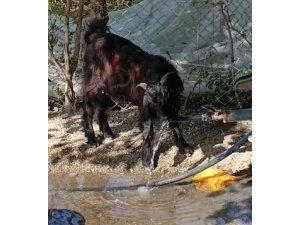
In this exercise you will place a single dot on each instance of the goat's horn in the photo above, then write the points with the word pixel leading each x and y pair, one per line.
pixel 142 85
pixel 165 77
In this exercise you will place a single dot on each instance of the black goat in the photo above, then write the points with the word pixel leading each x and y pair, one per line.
pixel 115 67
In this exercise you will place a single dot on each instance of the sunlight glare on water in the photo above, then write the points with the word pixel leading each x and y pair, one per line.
pixel 176 204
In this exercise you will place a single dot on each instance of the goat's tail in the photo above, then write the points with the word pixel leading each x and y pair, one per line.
pixel 96 26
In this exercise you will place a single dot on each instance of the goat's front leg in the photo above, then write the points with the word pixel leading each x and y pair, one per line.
pixel 147 151
pixel 156 142
pixel 184 147
pixel 140 124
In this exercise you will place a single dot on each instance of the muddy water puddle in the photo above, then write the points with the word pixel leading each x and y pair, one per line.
pixel 92 198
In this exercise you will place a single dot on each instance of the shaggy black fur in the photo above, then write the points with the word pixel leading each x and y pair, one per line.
pixel 113 67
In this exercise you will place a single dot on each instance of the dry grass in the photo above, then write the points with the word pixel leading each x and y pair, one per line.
pixel 69 153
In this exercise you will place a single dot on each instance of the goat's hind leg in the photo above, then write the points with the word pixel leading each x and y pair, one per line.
pixel 88 116
pixel 103 124
pixel 184 147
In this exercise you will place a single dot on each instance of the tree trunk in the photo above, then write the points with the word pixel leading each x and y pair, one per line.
pixel 71 63
pixel 77 37
pixel 99 9
pixel 69 92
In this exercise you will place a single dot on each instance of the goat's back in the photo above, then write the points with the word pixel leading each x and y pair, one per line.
pixel 116 65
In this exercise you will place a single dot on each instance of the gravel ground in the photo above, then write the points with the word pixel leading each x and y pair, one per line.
pixel 69 153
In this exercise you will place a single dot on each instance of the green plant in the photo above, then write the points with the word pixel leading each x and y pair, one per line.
pixel 218 84
pixel 244 72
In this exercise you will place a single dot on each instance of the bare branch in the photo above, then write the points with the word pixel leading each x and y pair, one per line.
pixel 75 57
pixel 227 22
pixel 67 36
pixel 242 35
pixel 55 61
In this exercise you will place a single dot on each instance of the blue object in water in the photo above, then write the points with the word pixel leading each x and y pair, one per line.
pixel 64 217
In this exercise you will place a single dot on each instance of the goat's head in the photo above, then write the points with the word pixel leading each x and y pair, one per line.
pixel 96 26
pixel 158 93
pixel 99 22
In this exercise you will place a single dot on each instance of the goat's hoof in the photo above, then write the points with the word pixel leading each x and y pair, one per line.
pixel 148 170
pixel 137 130
pixel 187 151
pixel 92 142
pixel 109 136
pixel 147 165
pixel 151 168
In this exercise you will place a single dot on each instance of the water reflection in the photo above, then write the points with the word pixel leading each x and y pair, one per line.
pixel 182 205
pixel 177 204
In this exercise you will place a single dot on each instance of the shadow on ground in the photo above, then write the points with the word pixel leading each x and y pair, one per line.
pixel 67 144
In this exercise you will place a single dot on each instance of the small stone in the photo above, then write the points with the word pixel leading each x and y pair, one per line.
pixel 73 174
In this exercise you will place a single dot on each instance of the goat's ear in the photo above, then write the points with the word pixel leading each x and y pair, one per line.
pixel 164 78
pixel 142 85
